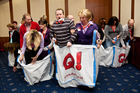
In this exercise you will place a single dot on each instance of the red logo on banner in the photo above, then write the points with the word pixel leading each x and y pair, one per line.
pixel 69 64
pixel 121 58
pixel 78 66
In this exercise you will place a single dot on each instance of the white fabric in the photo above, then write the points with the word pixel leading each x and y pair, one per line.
pixel 71 76
pixel 42 70
pixel 106 56
pixel 11 59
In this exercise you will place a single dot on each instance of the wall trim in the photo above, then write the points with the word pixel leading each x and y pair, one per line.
pixel 28 7
pixel 47 9
pixel 11 10
pixel 119 10
pixel 132 8
pixel 66 8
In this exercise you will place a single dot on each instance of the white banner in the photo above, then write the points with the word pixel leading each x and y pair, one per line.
pixel 113 56
pixel 40 71
pixel 76 65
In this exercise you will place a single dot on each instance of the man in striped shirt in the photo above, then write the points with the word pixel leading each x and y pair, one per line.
pixel 63 30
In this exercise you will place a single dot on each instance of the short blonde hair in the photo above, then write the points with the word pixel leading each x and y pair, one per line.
pixel 86 13
pixel 33 37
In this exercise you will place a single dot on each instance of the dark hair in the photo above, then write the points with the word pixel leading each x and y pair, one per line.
pixel 43 21
pixel 14 22
pixel 102 21
pixel 111 21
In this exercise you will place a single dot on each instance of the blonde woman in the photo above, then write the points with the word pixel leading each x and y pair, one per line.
pixel 86 28
pixel 33 44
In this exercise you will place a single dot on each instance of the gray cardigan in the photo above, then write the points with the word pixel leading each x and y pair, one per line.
pixel 110 34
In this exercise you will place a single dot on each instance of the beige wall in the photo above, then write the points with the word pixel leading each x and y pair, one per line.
pixel 115 8
pixel 125 11
pixel 74 7
pixel 37 9
pixel 4 18
pixel 19 8
pixel 137 18
pixel 53 5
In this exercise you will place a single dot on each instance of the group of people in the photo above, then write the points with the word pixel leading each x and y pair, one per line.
pixel 35 37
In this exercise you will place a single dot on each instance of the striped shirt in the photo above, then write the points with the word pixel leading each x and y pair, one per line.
pixel 62 32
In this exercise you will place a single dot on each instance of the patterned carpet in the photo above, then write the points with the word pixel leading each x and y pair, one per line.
pixel 125 79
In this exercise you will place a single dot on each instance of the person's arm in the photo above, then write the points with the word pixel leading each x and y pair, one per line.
pixel 121 31
pixel 21 36
pixel 41 45
pixel 106 32
pixel 72 31
pixel 23 48
pixel 37 27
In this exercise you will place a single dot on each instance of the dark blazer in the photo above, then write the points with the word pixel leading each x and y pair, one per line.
pixel 15 37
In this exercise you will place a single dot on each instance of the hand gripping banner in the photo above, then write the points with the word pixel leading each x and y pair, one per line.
pixel 76 65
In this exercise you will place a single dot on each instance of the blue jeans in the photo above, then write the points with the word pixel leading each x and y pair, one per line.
pixel 109 43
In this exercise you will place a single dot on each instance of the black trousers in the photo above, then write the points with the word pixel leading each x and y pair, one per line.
pixel 16 55
pixel 29 54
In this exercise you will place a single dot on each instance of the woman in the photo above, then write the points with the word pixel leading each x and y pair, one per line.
pixel 33 44
pixel 45 30
pixel 86 28
pixel 101 27
pixel 113 31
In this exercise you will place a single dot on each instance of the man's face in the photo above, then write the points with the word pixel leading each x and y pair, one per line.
pixel 15 25
pixel 28 19
pixel 59 14
pixel 131 24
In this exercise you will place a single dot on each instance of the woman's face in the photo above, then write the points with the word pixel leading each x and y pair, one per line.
pixel 41 26
pixel 115 22
pixel 84 20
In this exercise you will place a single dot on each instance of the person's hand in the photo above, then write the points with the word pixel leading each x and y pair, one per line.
pixel 14 68
pixel 69 44
pixel 113 42
pixel 53 39
pixel 124 47
pixel 118 36
pixel 98 45
pixel 131 38
pixel 72 31
pixel 34 59
pixel 21 57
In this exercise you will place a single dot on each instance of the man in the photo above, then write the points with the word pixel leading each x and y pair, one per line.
pixel 128 32
pixel 27 26
pixel 127 37
pixel 63 30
